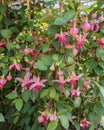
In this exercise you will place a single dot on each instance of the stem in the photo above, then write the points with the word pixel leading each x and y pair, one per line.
pixel 2 2
pixel 28 7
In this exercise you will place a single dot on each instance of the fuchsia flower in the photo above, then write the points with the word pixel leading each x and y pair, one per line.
pixel 85 123
pixel 74 92
pixel 62 82
pixel 37 83
pixel 94 27
pixel 67 46
pixel 3 44
pixel 16 67
pixel 86 26
pixel 53 117
pixel 59 73
pixel 9 77
pixel 26 82
pixel 74 30
pixel 80 40
pixel 2 83
pixel 101 19
pixel 27 51
pixel 86 84
pixel 74 78
pixel 101 42
pixel 94 15
pixel 75 51
pixel 43 118
pixel 62 39
pixel 52 68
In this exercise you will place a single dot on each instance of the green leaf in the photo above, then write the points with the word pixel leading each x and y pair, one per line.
pixel 70 60
pixel 1 16
pixel 100 53
pixel 53 29
pixel 99 109
pixel 52 125
pixel 6 33
pixel 14 29
pixel 45 47
pixel 26 95
pixel 12 95
pixel 1 118
pixel 30 38
pixel 40 65
pixel 77 102
pixel 55 57
pixel 102 30
pixel 3 8
pixel 77 126
pixel 53 93
pixel 64 121
pixel 69 15
pixel 10 46
pixel 91 64
pixel 44 93
pixel 18 104
pixel 47 60
pixel 60 21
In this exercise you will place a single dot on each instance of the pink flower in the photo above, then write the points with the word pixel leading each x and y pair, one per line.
pixel 2 83
pixel 94 27
pixel 101 19
pixel 74 30
pixel 94 15
pixel 37 84
pixel 3 44
pixel 53 117
pixel 27 51
pixel 43 118
pixel 74 92
pixel 67 46
pixel 85 123
pixel 85 85
pixel 74 78
pixel 52 68
pixel 86 26
pixel 16 67
pixel 26 82
pixel 60 73
pixel 61 37
pixel 80 40
pixel 75 51
pixel 40 119
pixel 101 42
pixel 62 82
pixel 9 77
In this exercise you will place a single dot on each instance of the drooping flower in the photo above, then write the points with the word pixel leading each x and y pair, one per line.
pixel 3 44
pixel 75 51
pixel 101 19
pixel 80 40
pixel 2 83
pixel 27 51
pixel 37 84
pixel 59 73
pixel 101 42
pixel 86 26
pixel 16 67
pixel 94 27
pixel 74 92
pixel 43 118
pixel 85 123
pixel 26 82
pixel 67 46
pixel 74 78
pixel 53 117
pixel 94 15
pixel 74 30
pixel 9 77
pixel 62 82
pixel 52 68
pixel 86 84
pixel 61 37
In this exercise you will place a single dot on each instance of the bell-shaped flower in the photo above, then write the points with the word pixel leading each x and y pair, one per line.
pixel 86 26
pixel 74 30
pixel 26 82
pixel 2 83
pixel 101 42
pixel 16 67
pixel 84 123
pixel 61 37
pixel 37 84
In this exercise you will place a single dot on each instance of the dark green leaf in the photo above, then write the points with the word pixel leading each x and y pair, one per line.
pixel 11 95
pixel 64 121
pixel 52 125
